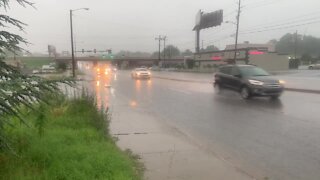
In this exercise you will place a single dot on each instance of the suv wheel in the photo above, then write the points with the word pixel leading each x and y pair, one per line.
pixel 245 93
pixel 217 88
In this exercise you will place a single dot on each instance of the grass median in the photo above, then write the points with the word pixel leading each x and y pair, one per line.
pixel 69 140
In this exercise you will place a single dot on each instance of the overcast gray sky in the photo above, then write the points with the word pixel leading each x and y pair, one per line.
pixel 134 24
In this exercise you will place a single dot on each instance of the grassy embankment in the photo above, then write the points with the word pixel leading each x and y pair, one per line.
pixel 69 140
pixel 33 62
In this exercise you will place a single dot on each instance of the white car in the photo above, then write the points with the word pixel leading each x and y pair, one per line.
pixel 47 69
pixel 141 73
pixel 314 66
pixel 35 72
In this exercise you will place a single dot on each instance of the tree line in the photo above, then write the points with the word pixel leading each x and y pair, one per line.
pixel 306 48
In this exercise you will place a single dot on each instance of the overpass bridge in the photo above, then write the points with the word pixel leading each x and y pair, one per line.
pixel 126 62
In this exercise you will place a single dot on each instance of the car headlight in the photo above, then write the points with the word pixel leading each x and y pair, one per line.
pixel 149 73
pixel 282 82
pixel 255 82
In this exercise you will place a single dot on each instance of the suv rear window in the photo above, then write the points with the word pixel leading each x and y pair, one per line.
pixel 226 70
pixel 253 71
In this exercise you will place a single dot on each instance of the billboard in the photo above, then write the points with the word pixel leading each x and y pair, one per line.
pixel 198 18
pixel 208 20
pixel 52 50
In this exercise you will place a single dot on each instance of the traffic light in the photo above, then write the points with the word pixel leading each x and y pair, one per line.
pixel 82 51
pixel 94 50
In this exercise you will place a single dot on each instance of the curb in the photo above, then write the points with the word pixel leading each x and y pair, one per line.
pixel 303 90
pixel 311 91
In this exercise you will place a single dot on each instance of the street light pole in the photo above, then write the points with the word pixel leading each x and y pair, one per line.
pixel 72 48
pixel 237 33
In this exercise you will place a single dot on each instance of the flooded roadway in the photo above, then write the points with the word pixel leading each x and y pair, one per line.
pixel 274 139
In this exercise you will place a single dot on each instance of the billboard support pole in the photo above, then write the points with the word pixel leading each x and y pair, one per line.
pixel 197 40
pixel 204 21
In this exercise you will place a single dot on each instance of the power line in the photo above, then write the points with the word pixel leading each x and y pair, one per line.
pixel 256 5
pixel 284 20
pixel 286 27
pixel 282 24
pixel 255 2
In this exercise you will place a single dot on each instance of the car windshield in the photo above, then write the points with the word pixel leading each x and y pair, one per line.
pixel 141 69
pixel 253 71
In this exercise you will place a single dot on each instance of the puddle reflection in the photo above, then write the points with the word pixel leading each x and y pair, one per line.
pixel 102 76
pixel 230 98
pixel 138 85
pixel 133 103
pixel 143 84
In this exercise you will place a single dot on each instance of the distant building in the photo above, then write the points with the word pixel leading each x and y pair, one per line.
pixel 262 55
pixel 269 47
pixel 65 53
pixel 52 51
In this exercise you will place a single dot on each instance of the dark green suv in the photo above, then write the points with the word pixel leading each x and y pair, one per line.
pixel 248 80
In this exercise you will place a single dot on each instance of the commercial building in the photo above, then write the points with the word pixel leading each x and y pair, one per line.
pixel 262 55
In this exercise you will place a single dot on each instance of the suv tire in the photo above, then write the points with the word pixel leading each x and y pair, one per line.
pixel 275 97
pixel 245 93
pixel 217 88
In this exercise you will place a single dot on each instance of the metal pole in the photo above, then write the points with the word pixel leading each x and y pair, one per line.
pixel 72 49
pixel 164 47
pixel 295 45
pixel 237 33
pixel 159 58
pixel 197 40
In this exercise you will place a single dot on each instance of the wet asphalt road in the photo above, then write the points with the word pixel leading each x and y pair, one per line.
pixel 274 139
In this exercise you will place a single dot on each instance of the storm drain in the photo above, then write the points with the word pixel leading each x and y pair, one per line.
pixel 127 134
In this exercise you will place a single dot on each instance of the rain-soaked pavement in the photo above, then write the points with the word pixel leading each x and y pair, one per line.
pixel 262 138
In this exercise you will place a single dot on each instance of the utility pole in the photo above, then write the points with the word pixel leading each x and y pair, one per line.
pixel 237 33
pixel 164 47
pixel 295 44
pixel 159 39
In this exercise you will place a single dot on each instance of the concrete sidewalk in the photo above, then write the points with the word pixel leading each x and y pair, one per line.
pixel 166 152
